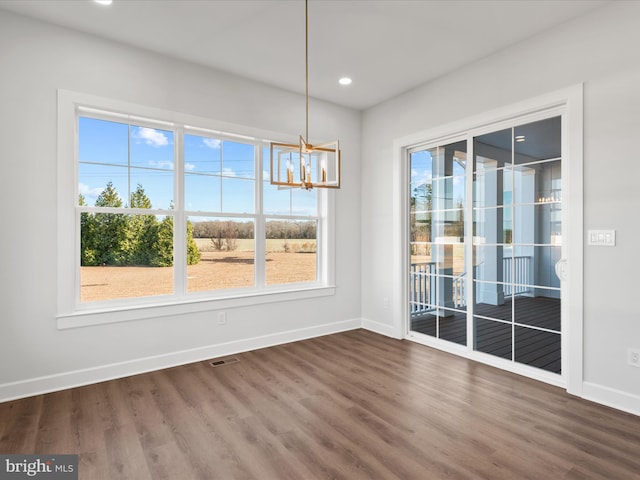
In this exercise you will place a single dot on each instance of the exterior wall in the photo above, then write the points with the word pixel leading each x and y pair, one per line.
pixel 597 50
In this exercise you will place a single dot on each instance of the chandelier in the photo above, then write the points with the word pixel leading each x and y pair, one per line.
pixel 305 165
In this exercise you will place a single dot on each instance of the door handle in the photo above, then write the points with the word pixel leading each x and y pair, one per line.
pixel 561 269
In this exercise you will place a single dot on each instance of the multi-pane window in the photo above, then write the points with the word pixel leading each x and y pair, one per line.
pixel 125 197
pixel 220 180
pixel 290 228
pixel 166 210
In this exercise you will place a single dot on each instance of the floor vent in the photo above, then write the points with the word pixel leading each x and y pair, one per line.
pixel 226 361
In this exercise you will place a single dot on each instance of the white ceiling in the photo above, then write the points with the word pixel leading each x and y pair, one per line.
pixel 386 46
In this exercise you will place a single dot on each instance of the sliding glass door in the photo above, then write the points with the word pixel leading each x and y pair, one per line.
pixel 504 298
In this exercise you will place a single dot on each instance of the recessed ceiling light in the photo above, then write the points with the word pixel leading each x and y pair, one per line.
pixel 104 2
pixel 345 81
pixel 519 138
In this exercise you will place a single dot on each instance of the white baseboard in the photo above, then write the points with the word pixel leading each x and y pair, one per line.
pixel 381 328
pixel 77 378
pixel 611 397
pixel 26 388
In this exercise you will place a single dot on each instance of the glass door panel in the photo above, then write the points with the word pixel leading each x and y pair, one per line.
pixel 437 275
pixel 517 242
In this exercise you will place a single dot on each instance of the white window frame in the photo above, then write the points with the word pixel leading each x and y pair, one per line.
pixel 72 313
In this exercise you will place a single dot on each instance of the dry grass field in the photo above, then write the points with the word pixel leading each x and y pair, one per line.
pixel 216 271
pixel 453 257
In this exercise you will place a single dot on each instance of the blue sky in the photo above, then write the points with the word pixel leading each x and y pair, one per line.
pixel 422 174
pixel 128 155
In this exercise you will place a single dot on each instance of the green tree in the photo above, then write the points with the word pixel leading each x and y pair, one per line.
pixel 111 229
pixel 141 230
pixel 421 205
pixel 121 239
pixel 193 252
pixel 161 253
pixel 87 236
pixel 139 199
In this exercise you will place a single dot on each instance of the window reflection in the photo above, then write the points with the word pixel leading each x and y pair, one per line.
pixel 517 237
pixel 438 282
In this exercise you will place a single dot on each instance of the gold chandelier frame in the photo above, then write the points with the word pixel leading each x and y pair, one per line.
pixel 318 166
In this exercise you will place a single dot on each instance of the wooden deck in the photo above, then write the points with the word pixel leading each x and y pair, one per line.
pixel 532 347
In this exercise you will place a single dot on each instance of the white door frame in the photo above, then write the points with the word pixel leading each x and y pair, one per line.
pixel 569 104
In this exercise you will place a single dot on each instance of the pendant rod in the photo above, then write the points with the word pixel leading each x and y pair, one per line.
pixel 306 62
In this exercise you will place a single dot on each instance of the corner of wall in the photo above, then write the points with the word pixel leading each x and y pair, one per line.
pixel 381 328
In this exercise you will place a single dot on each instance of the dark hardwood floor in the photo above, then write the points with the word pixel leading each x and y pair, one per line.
pixel 533 347
pixel 354 405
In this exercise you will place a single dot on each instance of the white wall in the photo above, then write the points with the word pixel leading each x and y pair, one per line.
pixel 35 60
pixel 600 50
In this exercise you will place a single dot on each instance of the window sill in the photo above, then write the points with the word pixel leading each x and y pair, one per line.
pixel 88 318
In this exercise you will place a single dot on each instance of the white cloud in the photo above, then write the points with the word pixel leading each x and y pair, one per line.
pixel 420 175
pixel 228 171
pixel 168 164
pixel 88 192
pixel 91 192
pixel 151 136
pixel 211 143
pixel 189 167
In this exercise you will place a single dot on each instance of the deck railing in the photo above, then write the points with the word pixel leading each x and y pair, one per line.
pixel 516 274
pixel 422 286
pixel 460 290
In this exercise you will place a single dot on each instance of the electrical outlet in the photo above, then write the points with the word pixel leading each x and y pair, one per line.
pixel 634 357
pixel 222 318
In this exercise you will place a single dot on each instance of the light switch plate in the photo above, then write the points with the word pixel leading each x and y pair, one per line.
pixel 601 238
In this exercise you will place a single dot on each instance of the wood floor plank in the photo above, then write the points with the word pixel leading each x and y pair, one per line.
pixel 163 457
pixel 87 432
pixel 316 429
pixel 200 447
pixel 350 406
pixel 18 422
pixel 385 408
pixel 54 432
